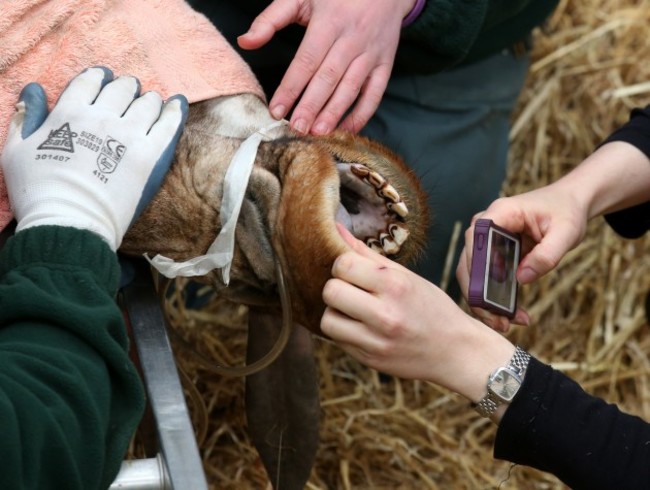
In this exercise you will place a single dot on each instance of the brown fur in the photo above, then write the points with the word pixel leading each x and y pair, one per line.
pixel 290 206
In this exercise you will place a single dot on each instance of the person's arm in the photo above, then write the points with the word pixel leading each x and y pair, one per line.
pixel 555 426
pixel 634 221
pixel 70 398
pixel 392 320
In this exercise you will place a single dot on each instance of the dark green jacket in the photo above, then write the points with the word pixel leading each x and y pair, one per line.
pixel 452 32
pixel 70 398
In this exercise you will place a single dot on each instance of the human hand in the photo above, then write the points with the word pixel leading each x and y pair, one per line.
pixel 551 222
pixel 346 55
pixel 392 320
pixel 96 160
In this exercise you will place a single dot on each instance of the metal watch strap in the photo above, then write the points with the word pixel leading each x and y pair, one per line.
pixel 519 361
pixel 490 402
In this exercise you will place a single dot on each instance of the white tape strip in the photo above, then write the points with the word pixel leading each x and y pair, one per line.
pixel 220 253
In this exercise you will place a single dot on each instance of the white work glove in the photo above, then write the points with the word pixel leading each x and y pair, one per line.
pixel 96 160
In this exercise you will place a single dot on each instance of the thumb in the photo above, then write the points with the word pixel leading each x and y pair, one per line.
pixel 544 256
pixel 31 111
pixel 278 15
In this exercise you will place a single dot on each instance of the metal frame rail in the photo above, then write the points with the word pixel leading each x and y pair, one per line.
pixel 178 466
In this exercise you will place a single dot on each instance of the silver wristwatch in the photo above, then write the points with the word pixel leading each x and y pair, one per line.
pixel 504 383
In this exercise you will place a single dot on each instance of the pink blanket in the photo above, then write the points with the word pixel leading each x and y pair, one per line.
pixel 167 45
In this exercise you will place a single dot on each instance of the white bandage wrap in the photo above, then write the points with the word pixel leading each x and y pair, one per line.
pixel 220 254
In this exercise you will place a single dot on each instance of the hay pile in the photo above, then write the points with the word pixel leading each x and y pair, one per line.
pixel 589 69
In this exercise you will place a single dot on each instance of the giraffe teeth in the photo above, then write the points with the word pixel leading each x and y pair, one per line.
pixel 398 208
pixel 399 233
pixel 359 170
pixel 375 245
pixel 388 244
pixel 389 192
pixel 376 180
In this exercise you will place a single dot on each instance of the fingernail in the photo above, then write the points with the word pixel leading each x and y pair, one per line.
pixel 523 319
pixel 321 128
pixel 278 111
pixel 300 125
pixel 526 275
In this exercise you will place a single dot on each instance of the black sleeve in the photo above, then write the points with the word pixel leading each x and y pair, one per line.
pixel 635 221
pixel 555 426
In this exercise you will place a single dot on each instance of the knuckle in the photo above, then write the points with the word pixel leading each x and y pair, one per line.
pixel 352 85
pixel 330 291
pixel 343 263
pixel 329 75
pixel 306 62
pixel 391 323
pixel 546 260
pixel 394 327
pixel 289 91
pixel 398 287
pixel 381 350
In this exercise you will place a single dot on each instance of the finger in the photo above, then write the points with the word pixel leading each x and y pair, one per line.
pixel 169 126
pixel 86 86
pixel 308 58
pixel 31 111
pixel 371 94
pixel 326 82
pixel 462 273
pixel 544 257
pixel 144 112
pixel 351 301
pixel 358 270
pixel 344 95
pixel 521 317
pixel 362 249
pixel 118 95
pixel 275 17
pixel 171 121
pixel 467 254
pixel 342 328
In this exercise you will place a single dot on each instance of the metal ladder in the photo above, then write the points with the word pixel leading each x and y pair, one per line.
pixel 177 466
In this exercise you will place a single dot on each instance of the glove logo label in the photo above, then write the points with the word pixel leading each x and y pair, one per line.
pixel 111 154
pixel 59 139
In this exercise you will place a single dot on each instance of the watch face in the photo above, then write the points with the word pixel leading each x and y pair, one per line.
pixel 505 384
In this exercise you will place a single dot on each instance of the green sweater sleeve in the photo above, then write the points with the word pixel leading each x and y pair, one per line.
pixel 452 32
pixel 70 397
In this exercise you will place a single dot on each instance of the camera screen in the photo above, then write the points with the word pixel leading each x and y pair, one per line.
pixel 500 281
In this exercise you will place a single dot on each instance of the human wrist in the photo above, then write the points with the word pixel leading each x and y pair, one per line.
pixel 474 352
pixel 414 13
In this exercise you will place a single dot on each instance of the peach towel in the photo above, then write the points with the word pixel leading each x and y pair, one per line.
pixel 167 45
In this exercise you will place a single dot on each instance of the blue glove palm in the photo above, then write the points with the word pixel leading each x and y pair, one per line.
pixel 96 160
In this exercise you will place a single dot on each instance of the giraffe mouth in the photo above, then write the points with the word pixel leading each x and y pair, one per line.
pixel 371 208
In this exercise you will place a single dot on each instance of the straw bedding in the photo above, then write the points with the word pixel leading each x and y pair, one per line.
pixel 589 68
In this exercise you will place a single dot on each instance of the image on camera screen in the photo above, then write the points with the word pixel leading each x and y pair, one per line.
pixel 500 281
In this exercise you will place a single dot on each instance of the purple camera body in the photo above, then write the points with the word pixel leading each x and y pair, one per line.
pixel 493 282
